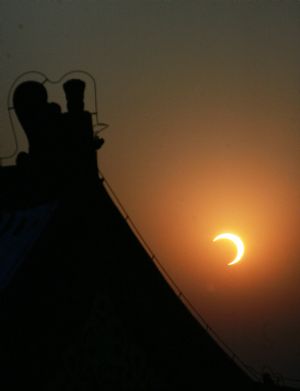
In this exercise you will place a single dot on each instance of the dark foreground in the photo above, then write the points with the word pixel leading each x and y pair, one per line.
pixel 85 308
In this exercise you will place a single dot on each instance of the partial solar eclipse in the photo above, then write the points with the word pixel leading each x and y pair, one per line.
pixel 240 248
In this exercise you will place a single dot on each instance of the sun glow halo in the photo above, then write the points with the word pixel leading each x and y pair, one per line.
pixel 238 243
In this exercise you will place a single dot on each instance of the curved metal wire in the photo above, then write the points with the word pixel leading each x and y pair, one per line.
pixel 249 370
pixel 44 79
pixel 253 373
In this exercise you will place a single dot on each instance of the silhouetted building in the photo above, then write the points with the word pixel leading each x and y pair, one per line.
pixel 82 305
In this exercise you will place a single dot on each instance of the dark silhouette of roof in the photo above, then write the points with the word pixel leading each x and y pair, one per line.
pixel 88 309
pixel 82 304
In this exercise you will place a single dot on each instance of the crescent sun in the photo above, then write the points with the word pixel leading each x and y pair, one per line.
pixel 240 248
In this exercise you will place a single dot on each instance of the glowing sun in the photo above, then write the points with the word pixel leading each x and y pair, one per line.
pixel 240 248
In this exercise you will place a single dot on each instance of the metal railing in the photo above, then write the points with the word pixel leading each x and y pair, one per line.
pixel 252 373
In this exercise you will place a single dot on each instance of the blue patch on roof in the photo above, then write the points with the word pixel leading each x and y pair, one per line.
pixel 19 230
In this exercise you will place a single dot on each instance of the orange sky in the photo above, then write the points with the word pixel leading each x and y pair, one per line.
pixel 203 104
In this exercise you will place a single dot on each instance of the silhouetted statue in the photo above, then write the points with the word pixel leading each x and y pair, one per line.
pixel 62 147
pixel 39 120
pixel 74 91
pixel 79 128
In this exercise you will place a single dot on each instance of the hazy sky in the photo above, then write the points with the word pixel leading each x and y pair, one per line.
pixel 203 102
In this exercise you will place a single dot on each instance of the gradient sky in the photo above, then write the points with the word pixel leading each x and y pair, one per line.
pixel 203 102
